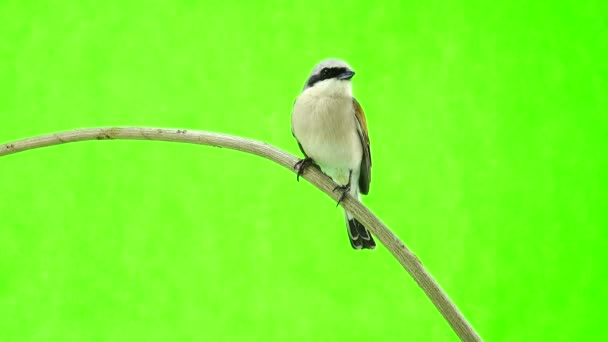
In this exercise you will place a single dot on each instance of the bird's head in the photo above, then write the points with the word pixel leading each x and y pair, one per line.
pixel 331 77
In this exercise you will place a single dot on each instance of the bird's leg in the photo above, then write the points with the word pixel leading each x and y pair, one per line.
pixel 344 188
pixel 301 165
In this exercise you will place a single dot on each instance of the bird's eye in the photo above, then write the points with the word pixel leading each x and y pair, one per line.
pixel 324 71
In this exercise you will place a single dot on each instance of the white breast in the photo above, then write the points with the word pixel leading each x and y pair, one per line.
pixel 325 126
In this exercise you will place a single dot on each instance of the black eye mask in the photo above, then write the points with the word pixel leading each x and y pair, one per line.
pixel 325 74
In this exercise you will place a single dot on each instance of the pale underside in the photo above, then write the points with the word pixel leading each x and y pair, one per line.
pixel 324 124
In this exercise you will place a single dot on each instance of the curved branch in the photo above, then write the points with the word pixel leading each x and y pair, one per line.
pixel 405 257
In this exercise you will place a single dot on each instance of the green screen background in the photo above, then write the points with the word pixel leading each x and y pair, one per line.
pixel 488 125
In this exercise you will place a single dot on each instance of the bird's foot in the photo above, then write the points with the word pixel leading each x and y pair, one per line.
pixel 301 165
pixel 345 189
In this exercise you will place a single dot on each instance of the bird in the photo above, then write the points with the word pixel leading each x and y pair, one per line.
pixel 330 128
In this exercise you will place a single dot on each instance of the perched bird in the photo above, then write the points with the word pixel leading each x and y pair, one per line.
pixel 330 128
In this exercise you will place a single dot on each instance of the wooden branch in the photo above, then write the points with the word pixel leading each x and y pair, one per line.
pixel 405 257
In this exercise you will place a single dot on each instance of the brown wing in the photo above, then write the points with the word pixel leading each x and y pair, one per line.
pixel 366 163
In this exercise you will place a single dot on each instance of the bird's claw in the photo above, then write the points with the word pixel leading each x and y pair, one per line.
pixel 301 165
pixel 345 189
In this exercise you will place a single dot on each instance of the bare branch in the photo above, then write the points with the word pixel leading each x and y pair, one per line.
pixel 405 257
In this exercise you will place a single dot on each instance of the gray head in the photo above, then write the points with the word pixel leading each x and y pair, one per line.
pixel 330 69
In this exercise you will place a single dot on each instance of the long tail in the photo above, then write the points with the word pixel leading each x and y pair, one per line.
pixel 360 238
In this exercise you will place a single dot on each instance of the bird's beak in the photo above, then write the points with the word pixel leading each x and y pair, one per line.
pixel 347 75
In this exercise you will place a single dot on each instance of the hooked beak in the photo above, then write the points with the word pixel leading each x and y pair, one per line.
pixel 347 75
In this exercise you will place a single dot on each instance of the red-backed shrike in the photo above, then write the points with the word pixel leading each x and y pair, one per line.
pixel 329 125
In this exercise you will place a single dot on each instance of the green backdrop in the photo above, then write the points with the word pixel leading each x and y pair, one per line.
pixel 488 126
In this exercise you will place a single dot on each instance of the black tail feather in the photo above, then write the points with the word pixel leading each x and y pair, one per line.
pixel 360 238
